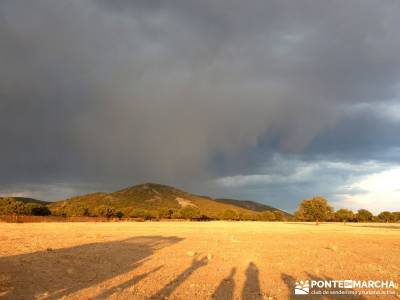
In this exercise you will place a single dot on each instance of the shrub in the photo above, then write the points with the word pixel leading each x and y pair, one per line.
pixel 137 213
pixel 278 215
pixel 166 213
pixel 247 216
pixel 119 214
pixel 105 211
pixel 37 209
pixel 176 215
pixel 230 214
pixel 190 212
pixel 267 216
pixel 143 214
pixel 10 206
pixel 150 215
pixel 77 211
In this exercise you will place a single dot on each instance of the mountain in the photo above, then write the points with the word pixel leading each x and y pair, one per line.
pixel 26 200
pixel 155 197
pixel 251 205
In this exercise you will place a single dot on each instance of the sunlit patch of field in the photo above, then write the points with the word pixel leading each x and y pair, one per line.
pixel 189 260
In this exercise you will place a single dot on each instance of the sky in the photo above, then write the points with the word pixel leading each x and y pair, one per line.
pixel 273 101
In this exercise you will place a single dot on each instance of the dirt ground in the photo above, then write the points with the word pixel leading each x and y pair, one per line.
pixel 190 260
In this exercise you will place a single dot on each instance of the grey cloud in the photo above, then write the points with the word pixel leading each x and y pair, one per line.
pixel 115 92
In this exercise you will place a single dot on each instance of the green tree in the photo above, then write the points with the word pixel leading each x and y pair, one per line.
pixel 396 216
pixel 176 215
pixel 190 212
pixel 10 206
pixel 105 211
pixel 77 211
pixel 375 219
pixel 150 215
pixel 138 213
pixel 37 209
pixel 230 214
pixel 344 215
pixel 278 215
pixel 119 214
pixel 248 216
pixel 166 213
pixel 386 216
pixel 364 215
pixel 315 209
pixel 267 216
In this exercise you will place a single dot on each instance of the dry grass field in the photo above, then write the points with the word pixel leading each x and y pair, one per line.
pixel 189 260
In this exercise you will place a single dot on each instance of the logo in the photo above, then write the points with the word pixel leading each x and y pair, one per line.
pixel 345 287
pixel 348 284
pixel 302 288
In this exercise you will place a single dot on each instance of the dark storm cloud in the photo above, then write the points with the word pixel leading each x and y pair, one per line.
pixel 115 92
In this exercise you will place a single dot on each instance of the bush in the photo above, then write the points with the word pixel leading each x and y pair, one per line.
pixel 278 215
pixel 190 212
pixel 37 209
pixel 119 214
pixel 80 211
pixel 105 211
pixel 143 214
pixel 76 211
pixel 267 216
pixel 137 213
pixel 166 213
pixel 230 214
pixel 10 206
pixel 247 216
pixel 176 215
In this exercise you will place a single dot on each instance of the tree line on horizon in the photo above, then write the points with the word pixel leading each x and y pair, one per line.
pixel 11 206
pixel 316 209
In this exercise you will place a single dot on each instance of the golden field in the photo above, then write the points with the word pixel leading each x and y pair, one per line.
pixel 190 260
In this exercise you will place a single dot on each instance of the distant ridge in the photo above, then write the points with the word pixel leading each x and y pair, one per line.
pixel 157 197
pixel 27 200
pixel 251 205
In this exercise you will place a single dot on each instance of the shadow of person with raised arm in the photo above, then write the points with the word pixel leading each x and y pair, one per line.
pixel 251 289
pixel 226 288
pixel 168 289
pixel 56 273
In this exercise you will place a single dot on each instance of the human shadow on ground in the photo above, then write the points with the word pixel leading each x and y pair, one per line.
pixel 53 274
pixel 251 289
pixel 226 288
pixel 170 287
pixel 291 282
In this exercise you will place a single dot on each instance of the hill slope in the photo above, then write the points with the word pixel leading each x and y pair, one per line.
pixel 26 200
pixel 251 205
pixel 153 197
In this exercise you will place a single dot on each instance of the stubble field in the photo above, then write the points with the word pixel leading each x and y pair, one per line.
pixel 190 260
